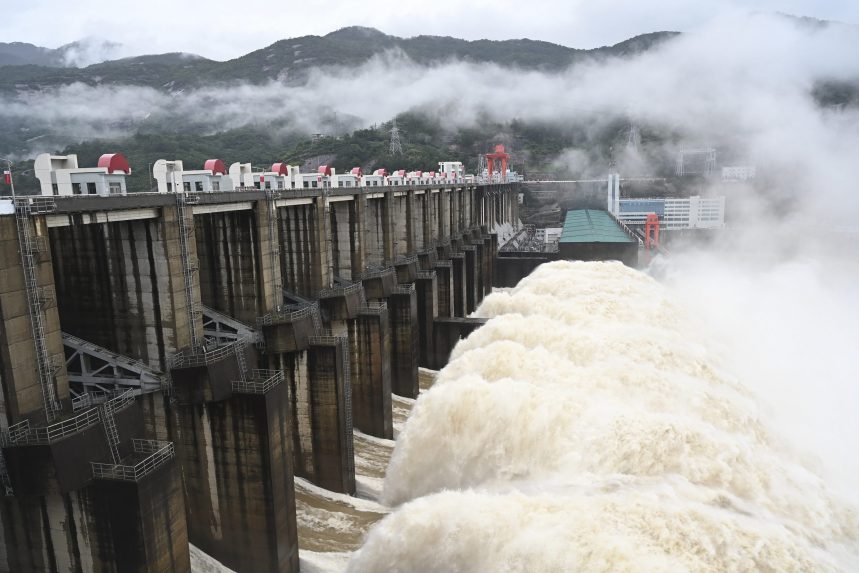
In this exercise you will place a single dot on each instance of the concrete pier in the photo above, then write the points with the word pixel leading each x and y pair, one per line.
pixel 236 452
pixel 330 461
pixel 405 340
pixel 370 371
pixel 426 287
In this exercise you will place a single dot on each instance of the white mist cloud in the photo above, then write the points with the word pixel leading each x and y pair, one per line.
pixel 92 50
pixel 739 80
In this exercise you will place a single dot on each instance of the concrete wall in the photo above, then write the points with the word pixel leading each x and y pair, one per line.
pixel 120 285
pixel 305 248
pixel 624 252
pixel 119 281
pixel 229 260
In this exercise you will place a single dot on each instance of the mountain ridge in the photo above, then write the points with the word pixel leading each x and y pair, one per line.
pixel 291 60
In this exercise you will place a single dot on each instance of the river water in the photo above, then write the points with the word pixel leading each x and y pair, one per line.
pixel 588 426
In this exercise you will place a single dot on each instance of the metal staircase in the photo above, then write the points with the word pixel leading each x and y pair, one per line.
pixel 111 433
pixel 108 420
pixel 241 360
pixel 274 251
pixel 189 265
pixel 30 245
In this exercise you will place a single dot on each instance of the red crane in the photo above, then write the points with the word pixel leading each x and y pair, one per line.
pixel 502 157
pixel 651 224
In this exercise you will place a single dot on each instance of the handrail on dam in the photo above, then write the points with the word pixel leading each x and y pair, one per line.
pixel 288 313
pixel 199 356
pixel 341 290
pixel 373 307
pixel 371 272
pixel 158 453
pixel 259 381
pixel 22 434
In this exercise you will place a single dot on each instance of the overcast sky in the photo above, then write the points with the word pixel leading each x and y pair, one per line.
pixel 222 29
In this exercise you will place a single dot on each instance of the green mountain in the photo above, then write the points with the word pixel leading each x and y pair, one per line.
pixel 20 53
pixel 291 60
pixel 70 55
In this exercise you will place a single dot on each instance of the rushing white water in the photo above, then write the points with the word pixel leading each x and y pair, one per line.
pixel 590 427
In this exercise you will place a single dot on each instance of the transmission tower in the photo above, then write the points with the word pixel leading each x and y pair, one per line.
pixel 633 138
pixel 396 147
pixel 481 164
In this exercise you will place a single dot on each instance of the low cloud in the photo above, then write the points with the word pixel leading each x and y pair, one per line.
pixel 741 81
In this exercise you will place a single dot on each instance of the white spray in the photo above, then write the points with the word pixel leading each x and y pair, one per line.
pixel 589 427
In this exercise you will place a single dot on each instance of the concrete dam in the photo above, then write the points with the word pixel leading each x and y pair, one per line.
pixel 171 362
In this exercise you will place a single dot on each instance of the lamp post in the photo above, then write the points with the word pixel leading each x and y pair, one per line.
pixel 11 181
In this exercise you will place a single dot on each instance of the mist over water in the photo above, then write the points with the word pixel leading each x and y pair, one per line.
pixel 594 425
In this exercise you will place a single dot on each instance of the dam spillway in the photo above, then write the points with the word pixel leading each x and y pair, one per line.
pixel 197 352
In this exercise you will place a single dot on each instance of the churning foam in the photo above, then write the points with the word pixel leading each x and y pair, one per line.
pixel 589 427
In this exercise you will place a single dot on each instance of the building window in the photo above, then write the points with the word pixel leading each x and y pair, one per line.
pixel 115 188
pixel 169 187
pixel 216 185
pixel 55 189
pixel 314 183
pixel 306 184
pixel 90 188
pixel 186 185
pixel 268 184
pixel 279 184
pixel 198 186
pixel 76 189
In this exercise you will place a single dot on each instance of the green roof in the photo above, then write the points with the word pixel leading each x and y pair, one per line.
pixel 592 226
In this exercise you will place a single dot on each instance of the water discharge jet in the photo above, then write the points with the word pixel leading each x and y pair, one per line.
pixel 590 427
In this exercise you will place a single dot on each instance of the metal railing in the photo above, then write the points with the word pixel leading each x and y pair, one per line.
pixel 373 272
pixel 340 290
pixel 121 400
pixel 156 451
pixel 286 313
pixel 200 356
pixel 374 307
pixel 258 382
pixel 80 402
pixel 40 205
pixel 22 434
pixel 404 259
pixel 327 338
pixel 625 228
pixel 407 288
